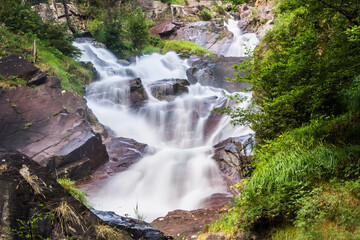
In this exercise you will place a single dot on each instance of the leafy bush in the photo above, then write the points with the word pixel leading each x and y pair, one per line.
pixel 206 14
pixel 21 19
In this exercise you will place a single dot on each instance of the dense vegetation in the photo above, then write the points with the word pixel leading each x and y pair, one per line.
pixel 21 26
pixel 306 83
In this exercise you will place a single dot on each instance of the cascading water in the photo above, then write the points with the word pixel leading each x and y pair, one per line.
pixel 242 44
pixel 180 174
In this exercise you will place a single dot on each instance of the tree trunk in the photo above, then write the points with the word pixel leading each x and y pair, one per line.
pixel 68 21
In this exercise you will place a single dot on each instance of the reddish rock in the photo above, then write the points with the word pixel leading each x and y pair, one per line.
pixel 47 123
pixel 186 225
pixel 163 29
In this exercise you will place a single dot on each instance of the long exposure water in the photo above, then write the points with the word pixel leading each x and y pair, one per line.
pixel 180 173
pixel 243 44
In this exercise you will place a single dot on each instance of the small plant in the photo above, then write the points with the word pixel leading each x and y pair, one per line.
pixel 27 229
pixel 69 186
pixel 140 217
pixel 27 125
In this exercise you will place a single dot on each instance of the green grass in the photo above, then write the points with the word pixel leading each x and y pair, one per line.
pixel 307 180
pixel 73 75
pixel 185 48
pixel 69 186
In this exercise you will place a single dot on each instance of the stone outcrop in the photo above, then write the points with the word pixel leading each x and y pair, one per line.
pixel 256 19
pixel 29 193
pixel 168 89
pixel 157 11
pixel 47 123
pixel 163 30
pixel 212 35
pixel 55 12
pixel 213 72
pixel 233 157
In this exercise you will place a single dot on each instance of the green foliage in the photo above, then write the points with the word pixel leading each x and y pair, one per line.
pixel 21 19
pixel 206 14
pixel 73 75
pixel 28 229
pixel 69 186
pixel 175 2
pixel 137 29
pixel 185 48
pixel 303 66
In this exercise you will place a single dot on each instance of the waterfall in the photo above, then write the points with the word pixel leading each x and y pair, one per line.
pixel 180 174
pixel 242 44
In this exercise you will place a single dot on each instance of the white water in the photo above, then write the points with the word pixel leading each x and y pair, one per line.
pixel 180 174
pixel 242 44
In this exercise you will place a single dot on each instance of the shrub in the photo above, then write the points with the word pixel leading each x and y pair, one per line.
pixel 206 14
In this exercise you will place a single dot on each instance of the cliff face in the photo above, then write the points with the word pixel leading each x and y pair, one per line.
pixel 47 123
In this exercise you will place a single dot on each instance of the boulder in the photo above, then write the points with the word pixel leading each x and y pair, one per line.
pixel 211 35
pixel 138 229
pixel 233 158
pixel 168 89
pixel 49 124
pixel 29 193
pixel 214 73
pixel 163 30
pixel 137 93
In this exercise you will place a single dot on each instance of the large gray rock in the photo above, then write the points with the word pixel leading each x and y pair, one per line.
pixel 55 12
pixel 212 35
pixel 168 89
pixel 137 92
pixel 256 19
pixel 214 73
pixel 233 158
pixel 157 11
pixel 49 124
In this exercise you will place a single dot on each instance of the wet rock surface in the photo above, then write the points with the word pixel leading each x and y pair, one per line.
pixel 47 123
pixel 137 92
pixel 29 192
pixel 233 156
pixel 213 72
pixel 168 89
pixel 138 229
